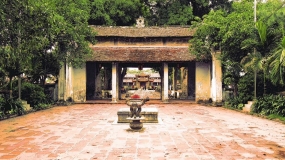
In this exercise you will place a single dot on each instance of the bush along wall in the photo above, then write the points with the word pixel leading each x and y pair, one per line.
pixel 245 93
pixel 34 94
pixel 269 105
pixel 10 106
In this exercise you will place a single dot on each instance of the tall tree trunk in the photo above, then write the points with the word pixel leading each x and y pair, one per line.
pixel 10 87
pixel 19 86
pixel 255 75
pixel 264 84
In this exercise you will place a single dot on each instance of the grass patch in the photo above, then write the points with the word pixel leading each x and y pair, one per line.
pixel 276 117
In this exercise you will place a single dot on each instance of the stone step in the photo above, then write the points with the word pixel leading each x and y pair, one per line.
pixel 24 102
pixel 250 102
pixel 247 107
pixel 27 106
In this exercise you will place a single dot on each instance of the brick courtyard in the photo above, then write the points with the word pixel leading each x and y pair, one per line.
pixel 185 131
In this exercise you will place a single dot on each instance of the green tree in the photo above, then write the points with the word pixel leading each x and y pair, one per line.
pixel 277 64
pixel 208 34
pixel 234 32
pixel 71 32
pixel 267 34
pixel 224 30
pixel 35 35
pixel 164 12
pixel 274 19
pixel 256 60
pixel 203 7
pixel 15 42
pixel 253 62
pixel 64 34
pixel 116 12
pixel 156 12
pixel 42 38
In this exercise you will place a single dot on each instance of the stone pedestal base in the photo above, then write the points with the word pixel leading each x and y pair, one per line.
pixel 150 115
pixel 136 123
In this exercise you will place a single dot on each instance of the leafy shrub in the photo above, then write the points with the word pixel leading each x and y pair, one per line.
pixel 17 106
pixel 2 101
pixel 2 104
pixel 245 88
pixel 41 106
pixel 235 103
pixel 34 95
pixel 245 93
pixel 269 104
pixel 11 106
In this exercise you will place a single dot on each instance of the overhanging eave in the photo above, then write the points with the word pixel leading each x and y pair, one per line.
pixel 141 54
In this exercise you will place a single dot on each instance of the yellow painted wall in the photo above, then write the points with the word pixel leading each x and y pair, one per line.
pixel 217 92
pixel 125 44
pixel 61 84
pixel 79 84
pixel 203 81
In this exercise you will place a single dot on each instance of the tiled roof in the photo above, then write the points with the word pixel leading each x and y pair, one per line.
pixel 141 54
pixel 143 74
pixel 154 75
pixel 157 80
pixel 127 80
pixel 177 31
pixel 129 75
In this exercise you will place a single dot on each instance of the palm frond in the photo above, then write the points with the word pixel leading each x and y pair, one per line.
pixel 262 31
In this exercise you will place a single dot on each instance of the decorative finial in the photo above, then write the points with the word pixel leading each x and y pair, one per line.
pixel 140 22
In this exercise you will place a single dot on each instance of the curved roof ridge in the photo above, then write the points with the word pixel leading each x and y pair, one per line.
pixel 153 31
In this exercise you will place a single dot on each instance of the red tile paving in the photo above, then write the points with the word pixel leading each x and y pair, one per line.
pixel 186 131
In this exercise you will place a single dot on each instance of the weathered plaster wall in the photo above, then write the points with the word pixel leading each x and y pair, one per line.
pixel 217 93
pixel 184 83
pixel 131 41
pixel 65 83
pixel 203 81
pixel 72 84
pixel 79 84
pixel 61 84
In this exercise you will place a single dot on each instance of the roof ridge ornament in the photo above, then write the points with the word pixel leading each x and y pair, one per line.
pixel 140 22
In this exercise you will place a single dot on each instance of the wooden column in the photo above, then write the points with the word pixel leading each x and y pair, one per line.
pixel 165 83
pixel 115 94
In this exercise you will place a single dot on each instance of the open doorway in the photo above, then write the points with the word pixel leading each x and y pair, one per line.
pixel 181 80
pixel 99 81
pixel 134 77
pixel 146 80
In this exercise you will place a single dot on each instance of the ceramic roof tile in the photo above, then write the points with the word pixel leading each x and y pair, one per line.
pixel 171 31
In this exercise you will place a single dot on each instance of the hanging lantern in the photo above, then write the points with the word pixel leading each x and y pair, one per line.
pixel 140 67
